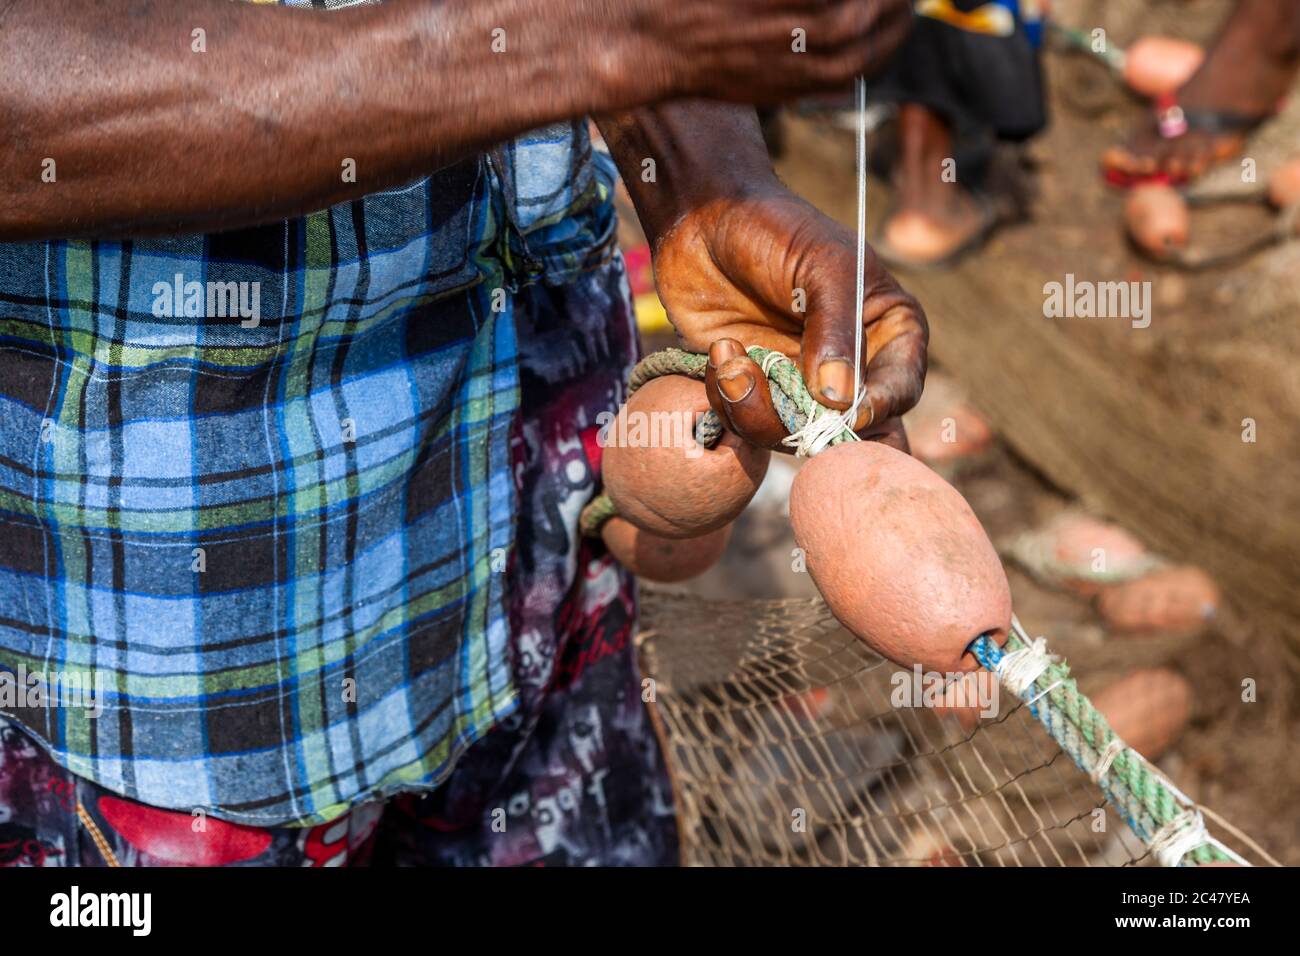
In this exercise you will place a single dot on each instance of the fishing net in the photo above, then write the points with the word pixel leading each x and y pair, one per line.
pixel 787 747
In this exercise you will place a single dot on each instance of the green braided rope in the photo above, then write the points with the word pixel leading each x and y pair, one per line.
pixel 794 405
pixel 667 362
pixel 1130 784
pixel 593 517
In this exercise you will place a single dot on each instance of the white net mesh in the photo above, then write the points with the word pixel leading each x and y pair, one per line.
pixel 786 749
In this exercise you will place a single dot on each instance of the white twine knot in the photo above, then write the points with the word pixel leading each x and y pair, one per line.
pixel 823 425
pixel 1106 758
pixel 1020 669
pixel 1178 837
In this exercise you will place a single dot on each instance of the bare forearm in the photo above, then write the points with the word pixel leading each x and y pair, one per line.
pixel 701 149
pixel 114 125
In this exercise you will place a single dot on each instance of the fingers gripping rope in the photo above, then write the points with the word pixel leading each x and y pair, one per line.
pixel 812 426
pixel 1161 815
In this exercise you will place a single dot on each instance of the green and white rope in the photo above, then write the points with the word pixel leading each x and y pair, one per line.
pixel 1160 814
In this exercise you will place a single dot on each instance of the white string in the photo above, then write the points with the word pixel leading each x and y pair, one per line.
pixel 823 424
pixel 1041 694
pixel 771 359
pixel 859 392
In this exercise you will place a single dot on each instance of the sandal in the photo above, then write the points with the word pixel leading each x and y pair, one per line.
pixel 1173 121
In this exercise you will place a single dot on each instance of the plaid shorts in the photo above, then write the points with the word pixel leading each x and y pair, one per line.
pixel 573 776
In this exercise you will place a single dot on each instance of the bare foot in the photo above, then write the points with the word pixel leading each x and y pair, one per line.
pixel 1246 73
pixel 935 217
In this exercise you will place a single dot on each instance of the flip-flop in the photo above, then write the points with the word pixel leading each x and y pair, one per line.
pixel 1173 122
pixel 989 220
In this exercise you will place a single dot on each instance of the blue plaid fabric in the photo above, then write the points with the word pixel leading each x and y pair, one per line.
pixel 255 487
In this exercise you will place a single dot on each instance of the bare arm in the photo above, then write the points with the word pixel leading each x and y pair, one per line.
pixel 705 149
pixel 147 135
pixel 702 150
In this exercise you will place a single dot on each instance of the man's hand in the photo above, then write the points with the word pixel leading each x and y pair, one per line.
pixel 760 51
pixel 740 261
pixel 766 268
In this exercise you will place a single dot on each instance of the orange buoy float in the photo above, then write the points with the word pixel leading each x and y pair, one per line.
pixel 1177 600
pixel 1284 185
pixel 665 560
pixel 899 556
pixel 661 479
pixel 1148 709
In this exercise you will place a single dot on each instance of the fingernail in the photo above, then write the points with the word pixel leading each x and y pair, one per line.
pixel 721 350
pixel 835 379
pixel 736 386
